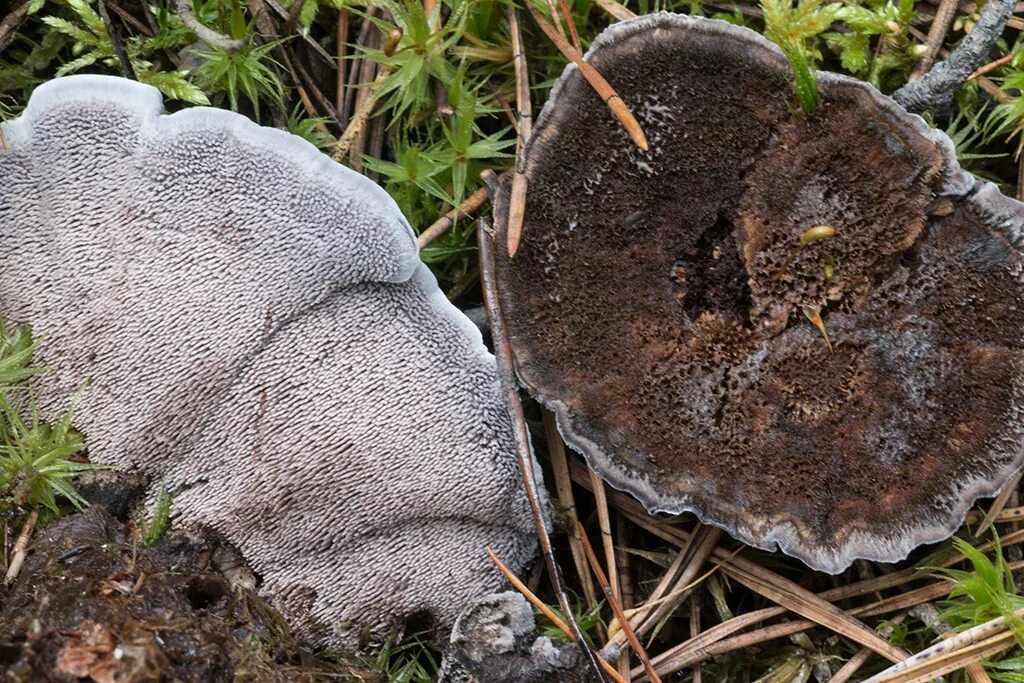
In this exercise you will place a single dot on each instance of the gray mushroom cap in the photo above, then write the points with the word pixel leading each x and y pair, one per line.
pixel 258 332
pixel 656 301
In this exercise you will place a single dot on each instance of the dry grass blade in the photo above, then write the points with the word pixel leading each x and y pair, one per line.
pixel 992 66
pixel 506 375
pixel 604 523
pixel 616 607
pixel 524 127
pixel 936 37
pixel 528 594
pixel 601 86
pixel 998 504
pixel 937 661
pixel 21 548
pixel 563 486
pixel 808 605
pixel 618 11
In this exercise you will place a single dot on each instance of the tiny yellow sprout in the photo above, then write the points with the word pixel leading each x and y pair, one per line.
pixel 816 234
pixel 830 268
pixel 893 26
pixel 813 314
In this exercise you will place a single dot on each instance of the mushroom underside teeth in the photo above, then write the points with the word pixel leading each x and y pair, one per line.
pixel 777 321
pixel 259 335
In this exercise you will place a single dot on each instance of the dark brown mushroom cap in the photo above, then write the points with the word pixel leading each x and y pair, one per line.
pixel 656 303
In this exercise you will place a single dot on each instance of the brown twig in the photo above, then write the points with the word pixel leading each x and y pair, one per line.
pixel 20 548
pixel 936 37
pixel 506 375
pixel 547 611
pixel 467 208
pixel 998 504
pixel 992 66
pixel 11 22
pixel 115 38
pixel 609 595
pixel 524 128
pixel 601 86
pixel 340 50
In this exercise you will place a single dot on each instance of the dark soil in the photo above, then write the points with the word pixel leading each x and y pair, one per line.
pixel 92 603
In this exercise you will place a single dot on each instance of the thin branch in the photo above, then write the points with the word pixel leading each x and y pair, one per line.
pixel 936 37
pixel 547 611
pixel 524 128
pixel 616 607
pixel 936 90
pixel 11 22
pixel 506 374
pixel 204 32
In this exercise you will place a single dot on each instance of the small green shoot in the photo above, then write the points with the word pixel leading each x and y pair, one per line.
pixel 792 27
pixel 158 524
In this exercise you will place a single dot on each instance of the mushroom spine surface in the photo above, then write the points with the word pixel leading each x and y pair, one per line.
pixel 806 329
pixel 258 332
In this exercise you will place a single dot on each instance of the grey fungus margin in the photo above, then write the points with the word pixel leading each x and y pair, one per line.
pixel 257 331
pixel 659 301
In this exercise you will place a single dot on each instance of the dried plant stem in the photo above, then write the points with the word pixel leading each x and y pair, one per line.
pixel 506 375
pixel 340 53
pixel 115 39
pixel 952 653
pixel 694 632
pixel 524 128
pixel 468 206
pixel 597 82
pixel 618 11
pixel 11 22
pixel 20 548
pixel 563 486
pixel 936 37
pixel 998 504
pixel 992 66
pixel 604 524
pixel 616 606
pixel 567 15
pixel 362 114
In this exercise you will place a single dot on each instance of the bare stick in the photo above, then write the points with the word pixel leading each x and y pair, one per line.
pixel 204 32
pixel 340 49
pixel 20 548
pixel 936 37
pixel 936 90
pixel 11 22
pixel 506 374
pixel 616 607
pixel 524 115
pixel 992 66
pixel 468 206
